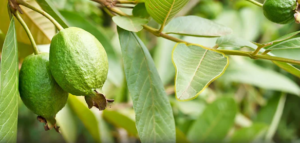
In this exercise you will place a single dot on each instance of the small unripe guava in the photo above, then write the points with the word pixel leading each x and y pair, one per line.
pixel 38 89
pixel 79 64
pixel 280 11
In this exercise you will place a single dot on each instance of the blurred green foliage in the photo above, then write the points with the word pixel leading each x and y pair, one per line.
pixel 257 103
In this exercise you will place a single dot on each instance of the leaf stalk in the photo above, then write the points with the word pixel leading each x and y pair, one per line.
pixel 226 52
pixel 19 18
pixel 57 25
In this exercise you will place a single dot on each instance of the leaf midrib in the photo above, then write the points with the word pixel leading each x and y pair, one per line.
pixel 194 74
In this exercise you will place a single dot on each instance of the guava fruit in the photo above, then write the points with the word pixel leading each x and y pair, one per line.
pixel 79 64
pixel 39 91
pixel 280 11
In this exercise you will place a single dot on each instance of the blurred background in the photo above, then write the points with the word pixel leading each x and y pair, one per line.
pixel 257 85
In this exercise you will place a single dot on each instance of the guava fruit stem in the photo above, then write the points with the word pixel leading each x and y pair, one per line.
pixel 49 123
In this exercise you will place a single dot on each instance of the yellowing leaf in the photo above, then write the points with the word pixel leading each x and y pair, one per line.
pixel 196 68
pixel 164 10
pixel 41 28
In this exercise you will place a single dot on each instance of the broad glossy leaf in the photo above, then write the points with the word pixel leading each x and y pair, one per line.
pixel 41 28
pixel 120 120
pixel 140 11
pixel 154 118
pixel 67 124
pixel 233 41
pixel 9 82
pixel 287 49
pixel 247 72
pixel 254 133
pixel 196 26
pixel 86 116
pixel 48 7
pixel 164 10
pixel 115 73
pixel 196 68
pixel 215 121
pixel 134 24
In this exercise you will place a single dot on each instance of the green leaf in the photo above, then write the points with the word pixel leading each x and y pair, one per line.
pixel 245 22
pixel 286 37
pixel 67 124
pixel 164 10
pixel 267 112
pixel 140 11
pixel 215 121
pixel 118 119
pixel 134 24
pixel 106 135
pixel 289 68
pixel 196 26
pixel 180 137
pixel 154 118
pixel 250 134
pixel 247 72
pixel 41 28
pixel 86 116
pixel 287 49
pixel 233 41
pixel 196 68
pixel 115 73
pixel 9 82
pixel 48 7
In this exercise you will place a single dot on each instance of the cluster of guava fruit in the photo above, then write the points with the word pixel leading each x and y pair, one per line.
pixel 77 64
pixel 281 11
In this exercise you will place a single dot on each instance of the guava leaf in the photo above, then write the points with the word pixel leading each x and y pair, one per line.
pixel 196 26
pixel 289 68
pixel 120 120
pixel 154 118
pixel 233 41
pixel 9 82
pixel 196 68
pixel 51 10
pixel 215 121
pixel 67 122
pixel 286 37
pixel 164 10
pixel 86 116
pixel 180 137
pixel 249 73
pixel 134 24
pixel 41 28
pixel 140 11
pixel 288 49
pixel 254 133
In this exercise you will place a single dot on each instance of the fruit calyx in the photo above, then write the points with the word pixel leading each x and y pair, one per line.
pixel 98 100
pixel 48 125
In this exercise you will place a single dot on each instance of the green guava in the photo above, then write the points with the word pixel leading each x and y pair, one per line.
pixel 39 91
pixel 280 11
pixel 79 64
